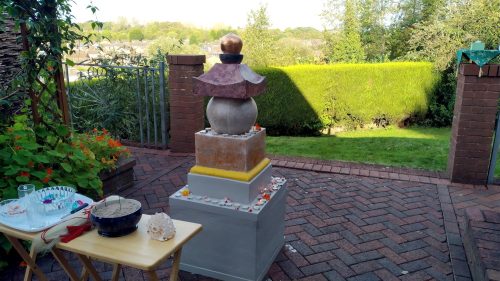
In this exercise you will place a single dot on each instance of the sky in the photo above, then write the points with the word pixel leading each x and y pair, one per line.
pixel 204 13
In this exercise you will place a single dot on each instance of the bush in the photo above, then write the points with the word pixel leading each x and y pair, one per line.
pixel 440 113
pixel 63 159
pixel 303 99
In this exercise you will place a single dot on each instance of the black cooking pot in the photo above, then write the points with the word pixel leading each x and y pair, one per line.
pixel 119 225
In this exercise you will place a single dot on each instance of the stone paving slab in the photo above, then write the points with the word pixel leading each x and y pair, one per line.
pixel 339 225
pixel 482 243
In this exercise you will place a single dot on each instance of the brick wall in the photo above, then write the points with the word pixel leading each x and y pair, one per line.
pixel 473 123
pixel 186 110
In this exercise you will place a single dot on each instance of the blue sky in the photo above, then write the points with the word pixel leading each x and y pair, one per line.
pixel 204 13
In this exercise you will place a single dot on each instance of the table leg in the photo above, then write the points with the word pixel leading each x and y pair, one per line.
pixel 28 274
pixel 84 276
pixel 116 272
pixel 64 264
pixel 87 264
pixel 153 276
pixel 175 265
pixel 26 257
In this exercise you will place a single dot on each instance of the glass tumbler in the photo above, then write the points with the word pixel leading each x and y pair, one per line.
pixel 25 189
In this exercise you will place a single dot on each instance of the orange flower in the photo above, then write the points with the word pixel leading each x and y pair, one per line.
pixel 46 179
pixel 17 137
pixel 114 143
pixel 24 174
pixel 94 130
pixel 104 131
pixel 49 171
pixel 99 138
pixel 18 147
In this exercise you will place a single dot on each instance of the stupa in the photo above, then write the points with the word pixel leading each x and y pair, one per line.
pixel 230 190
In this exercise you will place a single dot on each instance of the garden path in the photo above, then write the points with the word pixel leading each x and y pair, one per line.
pixel 340 225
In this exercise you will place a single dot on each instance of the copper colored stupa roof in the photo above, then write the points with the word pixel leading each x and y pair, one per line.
pixel 229 81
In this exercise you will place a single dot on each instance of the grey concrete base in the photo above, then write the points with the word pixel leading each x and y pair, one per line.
pixel 235 244
pixel 237 191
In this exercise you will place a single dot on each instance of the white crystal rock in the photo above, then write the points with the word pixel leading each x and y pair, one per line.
pixel 161 227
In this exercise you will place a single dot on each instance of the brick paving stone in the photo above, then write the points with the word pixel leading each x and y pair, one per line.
pixel 316 268
pixel 342 226
pixel 334 276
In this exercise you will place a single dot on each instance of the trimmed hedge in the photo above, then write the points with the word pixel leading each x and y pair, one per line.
pixel 303 99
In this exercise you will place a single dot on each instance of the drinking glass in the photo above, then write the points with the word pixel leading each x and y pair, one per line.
pixel 25 189
pixel 35 212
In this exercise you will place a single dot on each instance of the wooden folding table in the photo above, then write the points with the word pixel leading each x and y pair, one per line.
pixel 136 250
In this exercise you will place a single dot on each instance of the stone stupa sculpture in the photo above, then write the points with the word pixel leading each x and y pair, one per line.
pixel 230 190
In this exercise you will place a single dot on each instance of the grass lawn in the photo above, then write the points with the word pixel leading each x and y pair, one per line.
pixel 425 148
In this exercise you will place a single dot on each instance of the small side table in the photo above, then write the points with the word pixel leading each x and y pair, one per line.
pixel 136 250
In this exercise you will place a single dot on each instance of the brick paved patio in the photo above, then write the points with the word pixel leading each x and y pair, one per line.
pixel 361 222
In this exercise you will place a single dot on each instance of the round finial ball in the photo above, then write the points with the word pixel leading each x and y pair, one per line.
pixel 231 44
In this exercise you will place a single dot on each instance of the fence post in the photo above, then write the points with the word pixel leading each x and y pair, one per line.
pixel 163 113
pixel 186 109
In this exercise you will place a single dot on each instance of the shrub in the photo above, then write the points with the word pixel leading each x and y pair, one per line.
pixel 73 161
pixel 440 113
pixel 304 99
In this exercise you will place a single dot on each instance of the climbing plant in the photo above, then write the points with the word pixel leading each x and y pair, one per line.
pixel 47 34
pixel 45 31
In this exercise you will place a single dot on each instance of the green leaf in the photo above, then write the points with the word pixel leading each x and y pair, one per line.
pixel 39 174
pixel 12 171
pixel 70 62
pixel 30 145
pixel 62 131
pixel 22 179
pixel 67 167
pixel 20 159
pixel 82 182
pixel 56 154
pixel 41 159
pixel 41 131
pixel 95 183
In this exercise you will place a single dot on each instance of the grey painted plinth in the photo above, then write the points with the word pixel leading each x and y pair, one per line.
pixel 236 191
pixel 234 244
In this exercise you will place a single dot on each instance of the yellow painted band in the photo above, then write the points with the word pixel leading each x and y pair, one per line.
pixel 234 175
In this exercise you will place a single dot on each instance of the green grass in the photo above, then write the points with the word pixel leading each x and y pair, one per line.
pixel 424 148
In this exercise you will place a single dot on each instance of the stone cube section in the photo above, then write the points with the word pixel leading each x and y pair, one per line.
pixel 237 191
pixel 235 153
pixel 473 123
pixel 186 109
pixel 234 244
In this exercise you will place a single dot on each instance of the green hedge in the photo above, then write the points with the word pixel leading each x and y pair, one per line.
pixel 304 99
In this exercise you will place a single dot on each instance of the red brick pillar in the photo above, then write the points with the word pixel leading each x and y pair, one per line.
pixel 473 123
pixel 186 110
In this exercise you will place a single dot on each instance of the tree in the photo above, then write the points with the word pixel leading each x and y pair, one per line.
pixel 409 15
pixel 374 32
pixel 258 41
pixel 135 35
pixel 345 42
pixel 455 26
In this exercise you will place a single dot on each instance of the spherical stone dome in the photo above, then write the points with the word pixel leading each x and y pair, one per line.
pixel 231 116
